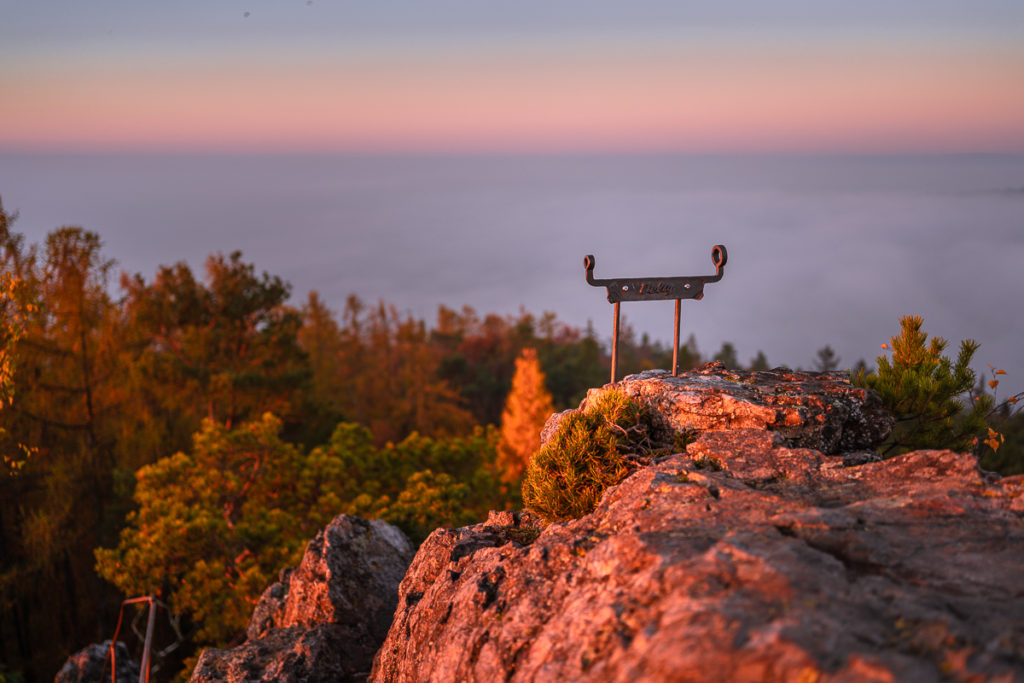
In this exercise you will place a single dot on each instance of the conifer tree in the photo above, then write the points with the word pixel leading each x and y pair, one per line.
pixel 526 409
pixel 214 525
pixel 921 387
pixel 826 360
pixel 225 349
pixel 727 354
pixel 384 373
pixel 759 362
pixel 63 335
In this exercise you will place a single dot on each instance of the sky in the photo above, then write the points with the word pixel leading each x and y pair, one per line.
pixel 524 76
pixel 819 252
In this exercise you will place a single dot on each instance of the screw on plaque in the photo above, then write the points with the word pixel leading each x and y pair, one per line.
pixel 655 289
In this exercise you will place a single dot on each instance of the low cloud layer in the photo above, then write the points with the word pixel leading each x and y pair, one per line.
pixel 821 250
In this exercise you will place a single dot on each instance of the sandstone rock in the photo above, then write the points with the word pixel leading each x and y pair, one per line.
pixel 743 559
pixel 819 410
pixel 91 664
pixel 325 619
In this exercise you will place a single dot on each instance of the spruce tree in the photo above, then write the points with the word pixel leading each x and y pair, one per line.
pixel 526 409
pixel 727 354
pixel 921 387
pixel 759 362
pixel 826 360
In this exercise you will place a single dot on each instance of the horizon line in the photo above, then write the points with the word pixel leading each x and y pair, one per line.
pixel 497 152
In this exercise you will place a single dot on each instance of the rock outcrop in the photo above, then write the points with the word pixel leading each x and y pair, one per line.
pixel 92 664
pixel 325 619
pixel 815 410
pixel 777 547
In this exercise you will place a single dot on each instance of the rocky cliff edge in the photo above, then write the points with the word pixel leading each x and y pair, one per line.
pixel 778 546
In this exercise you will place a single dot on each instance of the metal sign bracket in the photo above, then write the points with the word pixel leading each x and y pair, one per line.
pixel 655 289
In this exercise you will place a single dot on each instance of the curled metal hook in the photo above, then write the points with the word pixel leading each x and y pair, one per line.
pixel 658 288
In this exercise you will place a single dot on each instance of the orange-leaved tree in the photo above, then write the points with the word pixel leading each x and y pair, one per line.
pixel 526 409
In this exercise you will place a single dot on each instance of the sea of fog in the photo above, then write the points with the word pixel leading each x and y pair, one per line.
pixel 822 250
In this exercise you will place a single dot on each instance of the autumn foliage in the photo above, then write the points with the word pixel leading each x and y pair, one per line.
pixel 526 409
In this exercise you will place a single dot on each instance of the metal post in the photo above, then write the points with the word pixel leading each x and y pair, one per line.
pixel 675 344
pixel 150 622
pixel 615 342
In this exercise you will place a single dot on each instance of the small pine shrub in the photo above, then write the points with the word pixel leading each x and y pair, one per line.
pixel 921 387
pixel 587 454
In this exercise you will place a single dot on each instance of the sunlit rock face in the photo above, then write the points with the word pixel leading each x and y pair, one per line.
pixel 819 410
pixel 764 552
pixel 325 619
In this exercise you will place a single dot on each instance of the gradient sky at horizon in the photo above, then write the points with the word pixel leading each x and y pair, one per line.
pixel 467 76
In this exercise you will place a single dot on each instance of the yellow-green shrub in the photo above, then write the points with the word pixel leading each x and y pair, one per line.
pixel 566 478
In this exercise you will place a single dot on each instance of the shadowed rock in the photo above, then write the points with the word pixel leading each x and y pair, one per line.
pixel 754 555
pixel 91 664
pixel 325 619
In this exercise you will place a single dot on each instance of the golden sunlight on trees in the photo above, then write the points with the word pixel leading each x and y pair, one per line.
pixel 215 526
pixel 152 399
pixel 13 309
pixel 225 349
pixel 12 326
pixel 107 384
pixel 420 483
pixel 526 409
pixel 379 369
pixel 69 377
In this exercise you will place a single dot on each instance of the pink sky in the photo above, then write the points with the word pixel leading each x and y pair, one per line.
pixel 651 92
